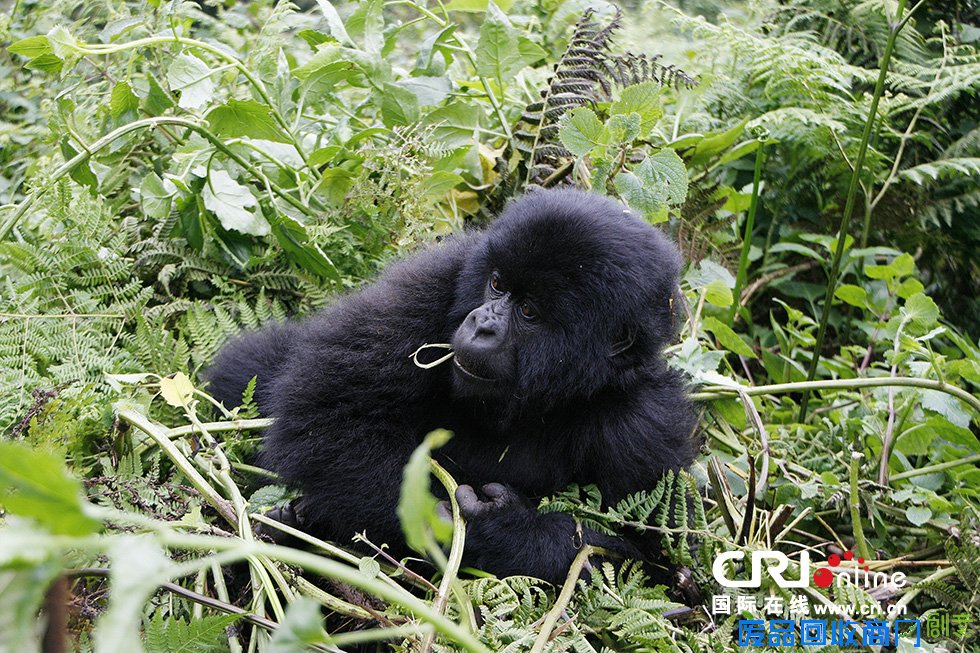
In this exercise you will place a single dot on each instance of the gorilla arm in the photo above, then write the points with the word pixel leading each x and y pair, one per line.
pixel 349 405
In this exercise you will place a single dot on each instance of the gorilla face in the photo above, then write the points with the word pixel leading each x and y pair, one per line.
pixel 562 298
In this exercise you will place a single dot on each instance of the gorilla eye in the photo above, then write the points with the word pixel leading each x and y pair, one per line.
pixel 527 311
pixel 496 283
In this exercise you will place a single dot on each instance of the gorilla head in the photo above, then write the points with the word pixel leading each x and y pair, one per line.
pixel 564 294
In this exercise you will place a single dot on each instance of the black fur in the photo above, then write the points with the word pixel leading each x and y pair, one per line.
pixel 588 399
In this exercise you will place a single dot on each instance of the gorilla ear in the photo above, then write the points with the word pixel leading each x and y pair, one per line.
pixel 627 339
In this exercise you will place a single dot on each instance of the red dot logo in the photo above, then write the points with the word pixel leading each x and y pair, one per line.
pixel 823 577
pixel 834 560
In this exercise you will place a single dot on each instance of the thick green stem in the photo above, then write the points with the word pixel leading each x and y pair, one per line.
pixel 855 500
pixel 849 206
pixel 743 260
pixel 722 391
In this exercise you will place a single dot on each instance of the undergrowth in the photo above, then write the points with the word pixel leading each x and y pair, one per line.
pixel 170 176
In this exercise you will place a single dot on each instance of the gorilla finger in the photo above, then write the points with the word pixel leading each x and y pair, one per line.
pixel 469 504
pixel 496 490
pixel 444 511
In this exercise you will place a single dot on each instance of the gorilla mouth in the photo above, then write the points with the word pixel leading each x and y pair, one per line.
pixel 469 372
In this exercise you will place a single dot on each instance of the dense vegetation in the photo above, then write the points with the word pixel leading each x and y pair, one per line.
pixel 172 172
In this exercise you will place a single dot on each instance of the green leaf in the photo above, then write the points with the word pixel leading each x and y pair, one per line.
pixel 238 118
pixel 623 128
pixel 122 100
pixel 902 266
pixel 157 100
pixel 80 172
pixel 658 182
pixel 294 239
pixel 642 195
pixel 47 63
pixel 909 287
pixel 34 483
pixel 64 45
pixel 156 196
pixel 921 313
pixel 139 566
pixel 581 131
pixel 192 78
pixel 429 91
pixel 717 293
pixel 417 506
pixel 948 406
pixel 667 167
pixel 455 124
pixel 32 47
pixel 476 6
pixel 642 99
pixel 334 23
pixel 715 143
pixel 727 337
pixel 301 628
pixel 440 182
pixel 918 515
pixel 498 53
pixel 200 635
pixel 399 106
pixel 231 203
pixel 853 295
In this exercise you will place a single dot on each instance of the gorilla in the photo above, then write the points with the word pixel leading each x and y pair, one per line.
pixel 557 315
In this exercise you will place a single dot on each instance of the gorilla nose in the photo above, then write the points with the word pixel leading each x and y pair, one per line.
pixel 487 325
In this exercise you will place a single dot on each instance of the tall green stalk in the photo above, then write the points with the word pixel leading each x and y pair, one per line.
pixel 828 302
pixel 743 260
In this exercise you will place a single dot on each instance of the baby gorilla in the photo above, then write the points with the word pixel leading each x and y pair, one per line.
pixel 557 314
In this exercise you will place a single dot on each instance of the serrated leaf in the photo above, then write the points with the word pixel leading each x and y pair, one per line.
pixel 157 99
pixel 581 131
pixel 122 100
pixel 498 53
pixel 853 295
pixel 921 313
pixel 727 337
pixel 35 484
pixel 948 406
pixel 237 118
pixel 64 45
pixel 230 202
pixel 642 99
pixel 192 78
pixel 668 167
pixel 650 199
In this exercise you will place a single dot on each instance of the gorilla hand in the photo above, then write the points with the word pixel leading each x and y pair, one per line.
pixel 506 534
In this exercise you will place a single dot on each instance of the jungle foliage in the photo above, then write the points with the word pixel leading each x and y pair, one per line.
pixel 173 172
